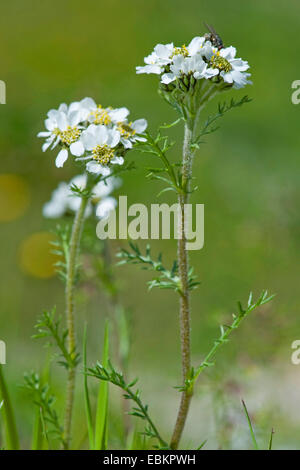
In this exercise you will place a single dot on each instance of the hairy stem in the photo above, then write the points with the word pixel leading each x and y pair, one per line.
pixel 184 314
pixel 70 307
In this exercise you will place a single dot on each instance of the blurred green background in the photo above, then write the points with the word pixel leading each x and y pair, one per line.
pixel 248 176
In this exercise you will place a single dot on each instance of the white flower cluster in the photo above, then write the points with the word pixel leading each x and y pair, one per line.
pixel 64 199
pixel 99 136
pixel 200 59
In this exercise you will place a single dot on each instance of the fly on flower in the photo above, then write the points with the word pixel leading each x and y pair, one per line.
pixel 96 135
pixel 213 37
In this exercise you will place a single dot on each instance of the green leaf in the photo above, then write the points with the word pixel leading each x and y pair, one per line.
pixel 11 433
pixel 202 445
pixel 141 411
pixel 250 426
pixel 44 400
pixel 102 406
pixel 237 319
pixel 86 394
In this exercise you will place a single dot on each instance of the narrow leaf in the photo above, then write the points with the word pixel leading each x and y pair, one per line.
pixel 102 406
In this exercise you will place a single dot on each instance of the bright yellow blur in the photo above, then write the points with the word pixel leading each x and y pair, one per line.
pixel 14 197
pixel 36 257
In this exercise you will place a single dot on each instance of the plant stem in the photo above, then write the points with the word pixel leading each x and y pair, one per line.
pixel 70 307
pixel 184 315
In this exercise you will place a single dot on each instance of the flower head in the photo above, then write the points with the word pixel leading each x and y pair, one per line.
pixel 91 133
pixel 64 199
pixel 100 141
pixel 231 69
pixel 197 61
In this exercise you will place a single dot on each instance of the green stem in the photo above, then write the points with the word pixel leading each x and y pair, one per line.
pixel 70 307
pixel 183 268
pixel 12 439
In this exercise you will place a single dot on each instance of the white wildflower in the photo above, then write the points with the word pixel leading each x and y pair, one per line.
pixel 231 69
pixel 100 142
pixel 62 128
pixel 63 199
pixel 199 60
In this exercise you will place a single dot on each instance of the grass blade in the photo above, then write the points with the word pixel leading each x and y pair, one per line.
pixel 250 426
pixel 135 440
pixel 11 433
pixel 86 394
pixel 202 445
pixel 37 434
pixel 102 405
pixel 271 440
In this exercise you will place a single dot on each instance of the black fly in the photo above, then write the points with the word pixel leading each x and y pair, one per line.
pixel 213 37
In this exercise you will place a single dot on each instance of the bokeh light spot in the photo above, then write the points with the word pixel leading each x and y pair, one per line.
pixel 14 197
pixel 36 257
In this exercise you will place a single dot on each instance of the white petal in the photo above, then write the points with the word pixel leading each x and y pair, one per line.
pixel 227 77
pixel 98 169
pixel 50 124
pixel 127 143
pixel 44 134
pixel 63 108
pixel 53 210
pixel 62 121
pixel 228 52
pixel 77 148
pixel 117 160
pixel 168 78
pixel 106 206
pixel 61 158
pixel 74 118
pixel 239 64
pixel 151 59
pixel 74 202
pixel 119 115
pixel 46 145
pixel 88 103
pixel 113 138
pixel 163 51
pixel 101 134
pixel 88 138
pixel 79 180
pixel 140 125
pixel 195 45
pixel 149 69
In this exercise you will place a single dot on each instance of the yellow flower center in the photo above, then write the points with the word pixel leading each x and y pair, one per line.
pixel 101 116
pixel 219 62
pixel 180 51
pixel 103 154
pixel 69 136
pixel 126 130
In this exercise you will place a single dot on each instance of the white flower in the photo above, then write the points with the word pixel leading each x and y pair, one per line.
pixel 62 127
pixel 158 59
pixel 199 60
pixel 57 206
pixel 231 69
pixel 105 207
pixel 98 135
pixel 63 199
pixel 194 65
pixel 107 116
pixel 100 142
pixel 83 107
